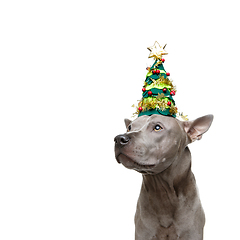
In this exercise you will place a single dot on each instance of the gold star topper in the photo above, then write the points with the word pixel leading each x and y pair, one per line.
pixel 157 51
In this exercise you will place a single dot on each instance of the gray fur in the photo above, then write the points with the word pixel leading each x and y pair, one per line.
pixel 168 206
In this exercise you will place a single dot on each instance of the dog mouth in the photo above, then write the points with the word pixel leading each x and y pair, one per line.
pixel 131 164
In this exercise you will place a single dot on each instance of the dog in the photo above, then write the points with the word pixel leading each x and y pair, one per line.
pixel 156 146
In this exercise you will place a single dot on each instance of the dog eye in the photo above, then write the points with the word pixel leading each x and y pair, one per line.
pixel 129 128
pixel 157 128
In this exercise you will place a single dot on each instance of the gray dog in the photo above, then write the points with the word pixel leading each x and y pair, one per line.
pixel 156 146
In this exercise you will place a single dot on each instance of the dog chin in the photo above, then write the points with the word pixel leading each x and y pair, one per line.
pixel 131 164
pixel 126 161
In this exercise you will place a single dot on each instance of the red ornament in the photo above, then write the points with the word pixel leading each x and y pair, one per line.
pixel 149 93
pixel 164 90
pixel 143 89
pixel 169 103
pixel 157 71
pixel 140 109
pixel 154 71
pixel 172 93
pixel 168 74
pixel 163 60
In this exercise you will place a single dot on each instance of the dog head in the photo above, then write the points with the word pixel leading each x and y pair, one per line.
pixel 152 143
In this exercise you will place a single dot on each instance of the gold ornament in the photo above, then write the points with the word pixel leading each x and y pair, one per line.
pixel 156 51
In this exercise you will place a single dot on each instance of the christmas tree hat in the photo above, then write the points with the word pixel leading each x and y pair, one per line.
pixel 158 90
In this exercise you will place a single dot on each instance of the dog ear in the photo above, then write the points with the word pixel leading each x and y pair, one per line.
pixel 195 129
pixel 127 122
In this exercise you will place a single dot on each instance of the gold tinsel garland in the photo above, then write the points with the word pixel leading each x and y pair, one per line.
pixel 161 80
pixel 158 102
pixel 162 105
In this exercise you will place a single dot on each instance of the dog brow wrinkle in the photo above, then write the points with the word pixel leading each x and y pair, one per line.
pixel 136 131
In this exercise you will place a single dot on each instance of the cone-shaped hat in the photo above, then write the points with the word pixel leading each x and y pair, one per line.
pixel 158 90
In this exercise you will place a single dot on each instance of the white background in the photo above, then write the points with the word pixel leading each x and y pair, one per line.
pixel 70 71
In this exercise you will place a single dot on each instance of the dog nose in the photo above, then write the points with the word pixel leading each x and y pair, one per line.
pixel 121 140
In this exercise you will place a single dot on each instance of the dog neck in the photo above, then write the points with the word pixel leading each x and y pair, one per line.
pixel 162 192
pixel 173 176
